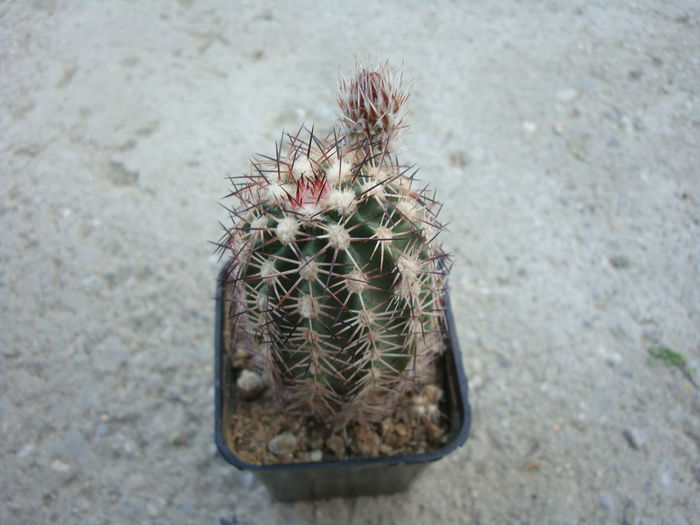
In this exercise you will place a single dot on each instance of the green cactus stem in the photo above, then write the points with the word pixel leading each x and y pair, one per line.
pixel 337 272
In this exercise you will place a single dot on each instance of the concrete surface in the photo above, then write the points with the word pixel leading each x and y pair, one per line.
pixel 563 138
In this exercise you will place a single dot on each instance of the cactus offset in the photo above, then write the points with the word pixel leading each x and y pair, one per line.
pixel 337 273
pixel 371 105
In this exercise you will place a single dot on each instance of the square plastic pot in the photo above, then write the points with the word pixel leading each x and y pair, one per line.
pixel 355 476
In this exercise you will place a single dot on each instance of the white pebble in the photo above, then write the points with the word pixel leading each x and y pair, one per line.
pixel 567 94
pixel 282 444
pixel 250 384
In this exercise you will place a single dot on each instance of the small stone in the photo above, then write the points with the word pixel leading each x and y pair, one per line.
pixel 635 437
pixel 619 262
pixel 635 74
pixel 476 382
pixel 120 175
pixel 25 450
pixel 435 433
pixel 665 479
pixel 460 159
pixel 529 127
pixel 136 480
pixel 477 366
pixel 282 444
pixel 426 404
pixel 152 510
pixel 59 466
pixel 605 502
pixel 403 434
pixel 250 385
pixel 129 447
pixel 366 441
pixel 248 480
pixel 387 427
pixel 177 438
pixel 336 444
pixel 567 94
pixel 101 430
pixel 386 450
pixel 316 455
pixel 431 393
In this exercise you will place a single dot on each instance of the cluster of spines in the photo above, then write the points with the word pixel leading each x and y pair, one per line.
pixel 371 105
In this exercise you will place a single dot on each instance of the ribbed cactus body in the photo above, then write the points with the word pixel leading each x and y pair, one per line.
pixel 338 276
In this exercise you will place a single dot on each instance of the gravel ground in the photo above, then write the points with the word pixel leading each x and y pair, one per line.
pixel 563 138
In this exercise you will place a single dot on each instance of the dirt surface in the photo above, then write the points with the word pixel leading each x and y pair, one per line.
pixel 563 138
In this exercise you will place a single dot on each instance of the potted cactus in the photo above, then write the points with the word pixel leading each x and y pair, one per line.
pixel 333 302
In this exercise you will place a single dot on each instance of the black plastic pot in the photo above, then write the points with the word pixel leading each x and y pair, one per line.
pixel 349 477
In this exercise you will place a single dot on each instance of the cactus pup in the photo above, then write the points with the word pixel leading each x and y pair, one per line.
pixel 335 266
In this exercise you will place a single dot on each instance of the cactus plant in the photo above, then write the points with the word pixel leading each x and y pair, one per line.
pixel 336 270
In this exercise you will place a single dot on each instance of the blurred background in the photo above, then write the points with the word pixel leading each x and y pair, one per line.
pixel 563 139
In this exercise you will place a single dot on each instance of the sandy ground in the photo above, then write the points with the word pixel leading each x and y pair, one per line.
pixel 563 138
